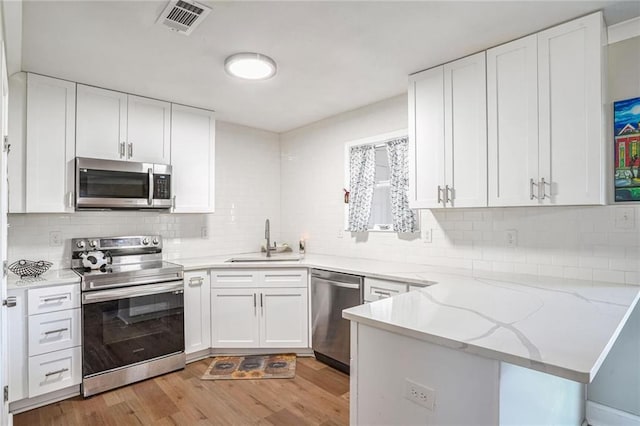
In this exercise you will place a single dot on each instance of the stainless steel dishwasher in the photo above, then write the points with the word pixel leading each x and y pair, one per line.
pixel 331 292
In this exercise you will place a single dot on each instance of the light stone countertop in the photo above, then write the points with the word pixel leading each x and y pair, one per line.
pixel 49 278
pixel 561 327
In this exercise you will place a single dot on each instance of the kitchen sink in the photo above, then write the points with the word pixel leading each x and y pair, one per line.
pixel 263 258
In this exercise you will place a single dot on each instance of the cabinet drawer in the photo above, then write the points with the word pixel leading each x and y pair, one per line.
pixel 54 331
pixel 50 299
pixel 235 278
pixel 285 278
pixel 54 370
pixel 375 289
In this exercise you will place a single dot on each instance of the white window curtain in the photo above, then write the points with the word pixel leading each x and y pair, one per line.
pixel 404 219
pixel 362 167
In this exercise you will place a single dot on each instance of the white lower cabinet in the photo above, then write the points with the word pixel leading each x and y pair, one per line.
pixel 197 311
pixel 259 309
pixel 45 352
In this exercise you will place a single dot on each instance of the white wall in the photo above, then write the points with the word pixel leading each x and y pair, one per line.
pixel 572 242
pixel 247 192
pixel 617 384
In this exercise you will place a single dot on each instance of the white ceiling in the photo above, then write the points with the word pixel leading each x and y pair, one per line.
pixel 332 56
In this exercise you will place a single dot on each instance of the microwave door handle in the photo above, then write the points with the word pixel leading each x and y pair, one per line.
pixel 150 199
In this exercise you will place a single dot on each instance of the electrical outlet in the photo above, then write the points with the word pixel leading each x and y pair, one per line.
pixel 625 218
pixel 419 394
pixel 55 239
pixel 427 235
pixel 203 233
pixel 511 238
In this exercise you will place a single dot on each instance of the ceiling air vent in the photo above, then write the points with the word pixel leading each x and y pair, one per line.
pixel 183 16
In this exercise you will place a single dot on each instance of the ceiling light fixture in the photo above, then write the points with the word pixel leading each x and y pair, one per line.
pixel 250 66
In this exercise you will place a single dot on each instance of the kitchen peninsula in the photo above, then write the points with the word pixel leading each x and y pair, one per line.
pixel 492 349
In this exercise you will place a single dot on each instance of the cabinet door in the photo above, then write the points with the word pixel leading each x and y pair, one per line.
pixel 512 117
pixel 426 138
pixel 197 311
pixel 283 318
pixel 101 123
pixel 50 144
pixel 148 131
pixel 234 318
pixel 571 114
pixel 193 179
pixel 465 134
pixel 17 346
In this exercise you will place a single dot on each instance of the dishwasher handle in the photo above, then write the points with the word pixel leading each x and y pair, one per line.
pixel 337 283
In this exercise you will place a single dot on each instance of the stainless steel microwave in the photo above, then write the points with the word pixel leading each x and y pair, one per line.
pixel 108 184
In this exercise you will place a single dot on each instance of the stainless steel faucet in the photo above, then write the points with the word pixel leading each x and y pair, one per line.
pixel 267 235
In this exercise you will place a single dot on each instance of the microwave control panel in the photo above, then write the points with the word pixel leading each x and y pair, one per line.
pixel 162 187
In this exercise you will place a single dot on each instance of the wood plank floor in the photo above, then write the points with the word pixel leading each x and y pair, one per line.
pixel 318 395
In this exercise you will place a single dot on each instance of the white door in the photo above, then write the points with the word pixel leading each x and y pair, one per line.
pixel 283 318
pixel 512 117
pixel 234 318
pixel 149 130
pixel 101 123
pixel 50 167
pixel 571 114
pixel 197 311
pixel 193 159
pixel 4 199
pixel 426 138
pixel 465 133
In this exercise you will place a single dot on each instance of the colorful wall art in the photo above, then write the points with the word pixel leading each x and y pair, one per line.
pixel 626 125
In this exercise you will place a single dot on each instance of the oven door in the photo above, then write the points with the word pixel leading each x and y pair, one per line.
pixel 129 325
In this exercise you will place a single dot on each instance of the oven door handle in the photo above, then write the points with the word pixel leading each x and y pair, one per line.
pixel 176 287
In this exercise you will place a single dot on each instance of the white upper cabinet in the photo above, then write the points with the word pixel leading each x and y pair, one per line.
pixel 193 159
pixel 512 116
pixel 50 145
pixel 116 126
pixel 572 149
pixel 447 135
pixel 465 108
pixel 426 138
pixel 101 123
pixel 148 130
pixel 545 117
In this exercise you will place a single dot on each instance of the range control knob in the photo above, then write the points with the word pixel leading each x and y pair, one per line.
pixel 93 243
pixel 80 244
pixel 145 241
pixel 156 242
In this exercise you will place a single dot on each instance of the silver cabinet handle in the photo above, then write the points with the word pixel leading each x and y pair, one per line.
pixel 173 202
pixel 150 199
pixel 261 305
pixel 70 199
pixel 54 299
pixel 439 194
pixel 53 373
pixel 10 302
pixel 60 330
pixel 531 185
pixel 130 149
pixel 196 281
pixel 382 293
pixel 544 189
pixel 447 199
pixel 122 149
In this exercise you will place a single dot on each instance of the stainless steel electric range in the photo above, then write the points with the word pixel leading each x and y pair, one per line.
pixel 132 311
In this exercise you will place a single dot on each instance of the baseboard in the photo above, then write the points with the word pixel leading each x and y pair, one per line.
pixel 302 352
pixel 27 404
pixel 601 415
pixel 197 356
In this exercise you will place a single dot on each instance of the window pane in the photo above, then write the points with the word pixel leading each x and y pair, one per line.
pixel 382 164
pixel 381 207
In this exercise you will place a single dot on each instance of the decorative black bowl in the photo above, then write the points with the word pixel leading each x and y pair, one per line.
pixel 29 268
